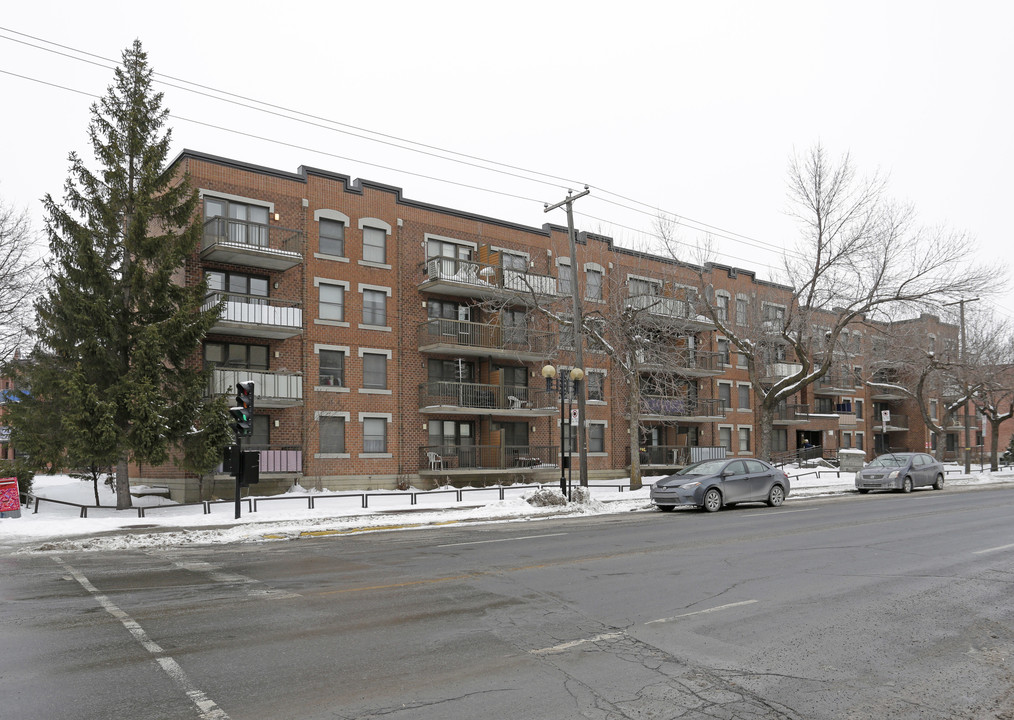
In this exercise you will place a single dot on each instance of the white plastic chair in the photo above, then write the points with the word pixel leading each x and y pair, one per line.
pixel 435 461
pixel 515 402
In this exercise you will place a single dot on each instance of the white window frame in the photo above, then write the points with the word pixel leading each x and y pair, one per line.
pixel 749 439
pixel 337 216
pixel 728 384
pixel 732 429
pixel 377 288
pixel 387 435
pixel 387 374
pixel 749 388
pixel 591 267
pixel 317 347
pixel 317 282
pixel 604 424
pixel 375 224
pixel 317 415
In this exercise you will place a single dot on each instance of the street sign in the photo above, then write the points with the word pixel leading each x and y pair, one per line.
pixel 573 416
pixel 885 415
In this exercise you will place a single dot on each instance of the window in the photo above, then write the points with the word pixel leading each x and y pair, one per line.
pixel 857 376
pixel 455 371
pixel 779 440
pixel 374 371
pixel 744 396
pixel 722 307
pixel 932 344
pixel 774 313
pixel 933 409
pixel 332 370
pixel 640 286
pixel 744 439
pixel 725 395
pixel 567 334
pixel 374 307
pixel 823 405
pixel 846 441
pixel 513 376
pixel 332 237
pixel 593 285
pixel 450 435
pixel 596 330
pixel 595 382
pixel 725 438
pixel 261 432
pixel 741 311
pixel 569 439
pixel 236 355
pixel 332 435
pixel 515 434
pixel 723 352
pixel 564 279
pixel 859 441
pixel 515 327
pixel 858 404
pixel 374 245
pixel 236 222
pixel 332 301
pixel 251 289
pixel 374 435
pixel 596 438
pixel 513 261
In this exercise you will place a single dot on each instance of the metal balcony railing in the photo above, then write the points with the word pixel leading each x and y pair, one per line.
pixel 488 457
pixel 666 307
pixel 791 412
pixel 242 242
pixel 272 388
pixel 676 455
pixel 441 333
pixel 485 277
pixel 482 396
pixel 283 316
pixel 675 407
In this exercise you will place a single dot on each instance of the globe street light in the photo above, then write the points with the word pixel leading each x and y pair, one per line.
pixel 576 375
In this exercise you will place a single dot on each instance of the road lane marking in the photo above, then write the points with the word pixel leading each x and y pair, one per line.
pixel 1002 547
pixel 499 540
pixel 206 707
pixel 575 643
pixel 701 612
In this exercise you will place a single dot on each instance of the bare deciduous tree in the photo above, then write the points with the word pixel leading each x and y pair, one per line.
pixel 20 275
pixel 858 255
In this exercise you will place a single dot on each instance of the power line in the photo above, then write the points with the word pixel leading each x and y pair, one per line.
pixel 706 227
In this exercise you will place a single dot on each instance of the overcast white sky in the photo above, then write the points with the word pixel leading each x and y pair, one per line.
pixel 692 107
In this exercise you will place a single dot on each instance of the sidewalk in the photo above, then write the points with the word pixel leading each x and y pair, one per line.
pixel 58 527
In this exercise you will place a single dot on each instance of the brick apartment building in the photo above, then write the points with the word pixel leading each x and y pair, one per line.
pixel 383 352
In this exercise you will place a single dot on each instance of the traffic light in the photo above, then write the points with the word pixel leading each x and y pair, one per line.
pixel 245 395
pixel 242 421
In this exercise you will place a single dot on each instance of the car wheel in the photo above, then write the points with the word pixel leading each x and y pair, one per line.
pixel 863 491
pixel 906 484
pixel 666 508
pixel 776 496
pixel 939 484
pixel 712 500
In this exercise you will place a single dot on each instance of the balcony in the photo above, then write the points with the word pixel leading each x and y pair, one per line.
pixel 454 398
pixel 773 372
pixel 897 423
pixel 683 361
pixel 469 278
pixel 276 459
pixel 791 414
pixel 676 455
pixel 451 459
pixel 460 337
pixel 272 389
pixel 238 242
pixel 835 384
pixel 671 310
pixel 255 316
pixel 657 407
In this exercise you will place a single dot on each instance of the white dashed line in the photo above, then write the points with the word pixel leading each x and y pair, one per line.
pixel 206 707
pixel 701 612
pixel 1002 547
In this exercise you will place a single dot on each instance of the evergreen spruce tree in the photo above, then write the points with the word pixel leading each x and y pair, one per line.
pixel 114 376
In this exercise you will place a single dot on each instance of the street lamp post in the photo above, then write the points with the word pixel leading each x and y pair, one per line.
pixel 576 375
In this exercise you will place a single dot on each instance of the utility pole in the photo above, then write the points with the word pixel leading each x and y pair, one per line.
pixel 579 385
pixel 964 357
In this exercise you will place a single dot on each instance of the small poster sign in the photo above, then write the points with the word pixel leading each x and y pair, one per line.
pixel 10 502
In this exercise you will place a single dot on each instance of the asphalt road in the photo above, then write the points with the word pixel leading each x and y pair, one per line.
pixel 880 606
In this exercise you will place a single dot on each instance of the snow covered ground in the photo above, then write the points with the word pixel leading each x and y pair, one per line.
pixel 59 527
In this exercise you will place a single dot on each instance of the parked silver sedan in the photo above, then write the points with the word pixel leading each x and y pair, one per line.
pixel 710 484
pixel 901 471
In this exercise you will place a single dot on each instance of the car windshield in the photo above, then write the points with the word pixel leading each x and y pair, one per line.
pixel 705 467
pixel 889 461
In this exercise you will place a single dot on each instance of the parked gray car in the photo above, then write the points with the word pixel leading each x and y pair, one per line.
pixel 901 471
pixel 710 484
